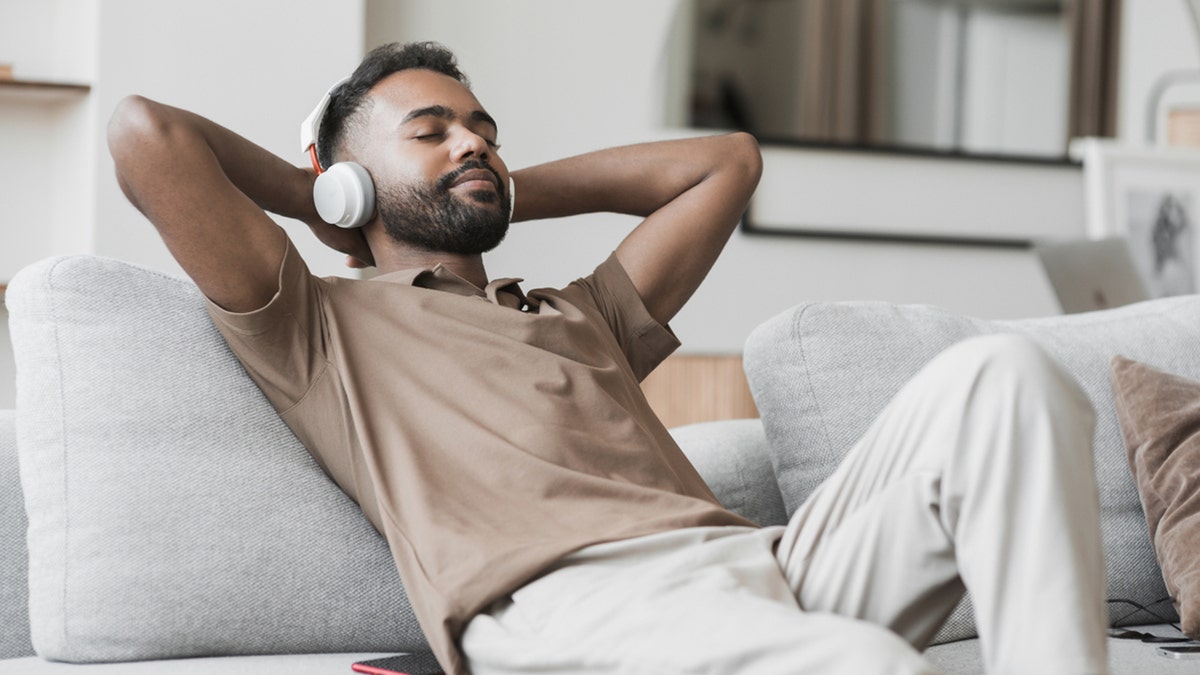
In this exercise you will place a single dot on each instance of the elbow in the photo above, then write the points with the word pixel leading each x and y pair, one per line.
pixel 137 125
pixel 745 158
pixel 134 121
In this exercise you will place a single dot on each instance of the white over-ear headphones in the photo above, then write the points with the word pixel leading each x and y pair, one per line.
pixel 344 194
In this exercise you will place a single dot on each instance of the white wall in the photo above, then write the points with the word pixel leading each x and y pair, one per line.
pixel 50 40
pixel 256 67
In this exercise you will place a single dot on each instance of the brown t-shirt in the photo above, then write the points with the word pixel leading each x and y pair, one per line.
pixel 485 433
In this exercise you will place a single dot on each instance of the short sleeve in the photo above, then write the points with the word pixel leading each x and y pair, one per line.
pixel 281 344
pixel 644 340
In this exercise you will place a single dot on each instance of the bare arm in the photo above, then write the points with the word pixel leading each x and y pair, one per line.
pixel 206 189
pixel 691 193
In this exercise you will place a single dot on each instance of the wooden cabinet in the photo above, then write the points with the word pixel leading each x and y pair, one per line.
pixel 689 388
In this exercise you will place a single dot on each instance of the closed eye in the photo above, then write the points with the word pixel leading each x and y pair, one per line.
pixel 438 135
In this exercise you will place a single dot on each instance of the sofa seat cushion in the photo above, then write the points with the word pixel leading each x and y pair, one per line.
pixel 734 459
pixel 171 512
pixel 289 664
pixel 820 374
pixel 1125 657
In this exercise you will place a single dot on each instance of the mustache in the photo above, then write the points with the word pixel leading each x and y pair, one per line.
pixel 447 180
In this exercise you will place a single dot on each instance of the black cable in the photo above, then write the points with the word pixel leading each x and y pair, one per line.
pixel 1126 634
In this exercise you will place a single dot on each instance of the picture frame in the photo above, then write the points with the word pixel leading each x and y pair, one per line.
pixel 1151 197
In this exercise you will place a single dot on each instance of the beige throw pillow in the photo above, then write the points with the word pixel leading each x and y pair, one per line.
pixel 1159 414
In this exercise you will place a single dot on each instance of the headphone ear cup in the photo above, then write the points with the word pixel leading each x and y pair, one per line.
pixel 345 195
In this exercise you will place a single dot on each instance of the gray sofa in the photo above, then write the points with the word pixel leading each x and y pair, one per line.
pixel 156 515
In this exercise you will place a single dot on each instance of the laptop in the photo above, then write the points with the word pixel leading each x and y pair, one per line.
pixel 1093 274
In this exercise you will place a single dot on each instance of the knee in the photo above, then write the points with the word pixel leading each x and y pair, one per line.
pixel 1018 361
pixel 1009 372
pixel 1007 351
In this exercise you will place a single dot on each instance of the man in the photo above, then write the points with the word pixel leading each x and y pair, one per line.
pixel 540 515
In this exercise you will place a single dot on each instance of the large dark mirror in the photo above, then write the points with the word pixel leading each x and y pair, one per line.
pixel 1007 78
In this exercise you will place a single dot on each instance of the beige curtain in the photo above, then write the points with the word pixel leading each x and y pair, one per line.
pixel 843 93
pixel 1095 32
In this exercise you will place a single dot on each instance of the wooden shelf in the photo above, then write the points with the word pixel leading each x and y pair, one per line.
pixel 41 90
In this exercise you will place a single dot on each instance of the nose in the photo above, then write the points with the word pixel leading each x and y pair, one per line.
pixel 468 144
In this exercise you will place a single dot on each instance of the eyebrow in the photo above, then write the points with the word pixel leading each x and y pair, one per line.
pixel 442 112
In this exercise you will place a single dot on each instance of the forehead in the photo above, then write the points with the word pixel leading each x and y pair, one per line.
pixel 400 93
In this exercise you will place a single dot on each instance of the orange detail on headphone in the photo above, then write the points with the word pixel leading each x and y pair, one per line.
pixel 312 152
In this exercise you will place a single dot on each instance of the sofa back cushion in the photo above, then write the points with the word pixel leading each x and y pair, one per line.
pixel 734 458
pixel 821 372
pixel 171 512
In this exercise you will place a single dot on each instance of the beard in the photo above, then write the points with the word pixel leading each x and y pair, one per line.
pixel 430 217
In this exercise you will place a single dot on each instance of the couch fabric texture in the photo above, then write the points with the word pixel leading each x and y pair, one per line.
pixel 14 607
pixel 821 372
pixel 172 513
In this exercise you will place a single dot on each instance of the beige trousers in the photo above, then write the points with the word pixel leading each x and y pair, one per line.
pixel 979 473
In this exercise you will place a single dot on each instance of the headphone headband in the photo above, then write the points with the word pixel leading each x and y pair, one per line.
pixel 310 128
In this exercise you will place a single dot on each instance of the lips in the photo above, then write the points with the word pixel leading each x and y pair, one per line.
pixel 477 176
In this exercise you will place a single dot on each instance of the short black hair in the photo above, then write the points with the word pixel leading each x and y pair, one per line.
pixel 343 116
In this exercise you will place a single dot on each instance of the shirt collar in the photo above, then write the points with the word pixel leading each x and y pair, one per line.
pixel 505 291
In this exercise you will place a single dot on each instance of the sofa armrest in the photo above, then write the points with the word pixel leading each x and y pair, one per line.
pixel 181 517
pixel 14 558
pixel 732 456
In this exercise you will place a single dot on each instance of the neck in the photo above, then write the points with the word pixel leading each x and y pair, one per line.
pixel 396 256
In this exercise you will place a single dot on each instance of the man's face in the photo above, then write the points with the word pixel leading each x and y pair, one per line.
pixel 431 150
